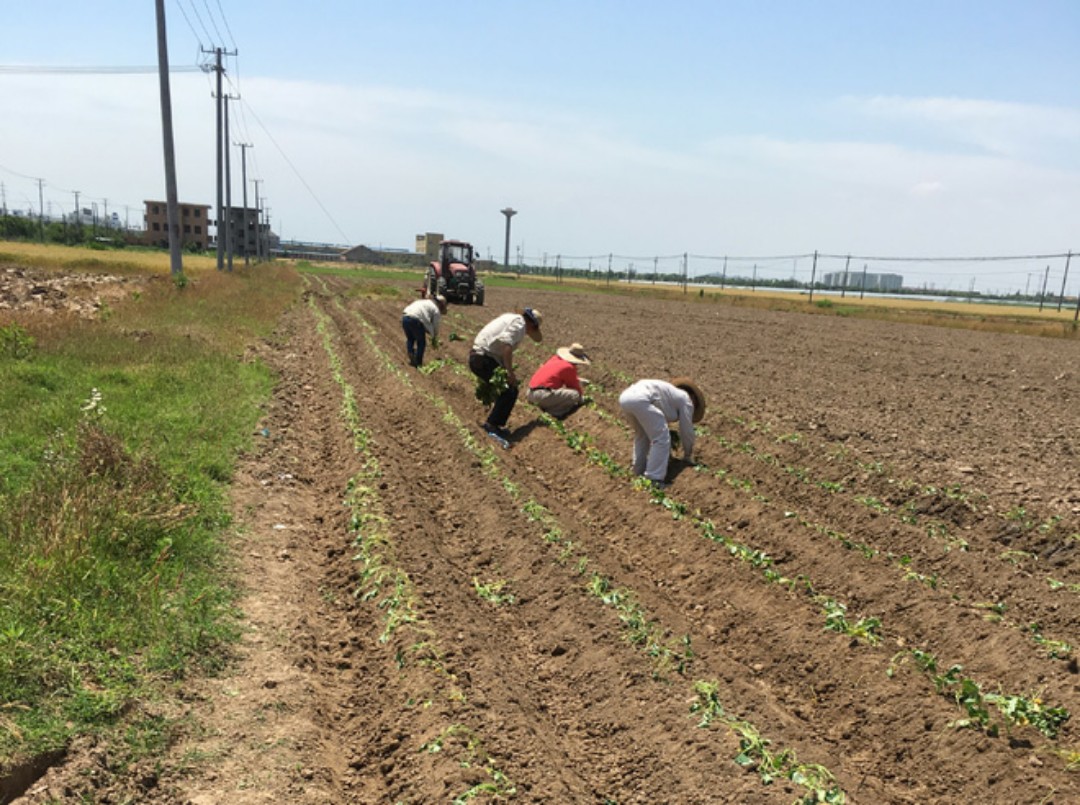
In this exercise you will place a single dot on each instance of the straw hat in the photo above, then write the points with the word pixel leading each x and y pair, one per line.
pixel 575 353
pixel 696 395
pixel 533 315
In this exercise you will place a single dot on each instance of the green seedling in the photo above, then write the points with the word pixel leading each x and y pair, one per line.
pixel 1055 649
pixel 487 391
pixel 492 592
pixel 1016 557
pixel 865 629
pixel 873 503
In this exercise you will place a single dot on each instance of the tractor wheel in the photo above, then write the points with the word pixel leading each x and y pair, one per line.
pixel 479 298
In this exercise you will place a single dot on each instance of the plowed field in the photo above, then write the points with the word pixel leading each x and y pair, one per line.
pixel 862 592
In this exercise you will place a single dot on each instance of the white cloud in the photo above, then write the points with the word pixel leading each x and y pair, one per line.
pixel 1017 130
pixel 384 163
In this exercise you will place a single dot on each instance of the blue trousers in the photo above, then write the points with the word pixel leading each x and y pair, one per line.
pixel 415 339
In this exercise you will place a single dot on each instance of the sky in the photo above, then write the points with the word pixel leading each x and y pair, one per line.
pixel 624 132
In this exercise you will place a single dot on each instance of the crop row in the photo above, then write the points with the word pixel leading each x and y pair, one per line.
pixel 669 654
pixel 389 589
pixel 1017 710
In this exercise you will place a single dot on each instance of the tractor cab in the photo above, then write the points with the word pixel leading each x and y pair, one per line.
pixel 453 274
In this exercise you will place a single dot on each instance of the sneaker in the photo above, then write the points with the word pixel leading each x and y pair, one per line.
pixel 661 485
pixel 502 433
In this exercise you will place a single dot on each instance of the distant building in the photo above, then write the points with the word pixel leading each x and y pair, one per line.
pixel 428 244
pixel 859 281
pixel 245 230
pixel 194 224
pixel 384 257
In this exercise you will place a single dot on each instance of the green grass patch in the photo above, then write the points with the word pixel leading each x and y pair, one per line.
pixel 117 439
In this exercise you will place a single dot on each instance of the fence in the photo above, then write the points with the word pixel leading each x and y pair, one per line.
pixel 1041 279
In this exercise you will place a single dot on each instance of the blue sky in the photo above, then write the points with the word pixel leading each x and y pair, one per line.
pixel 747 129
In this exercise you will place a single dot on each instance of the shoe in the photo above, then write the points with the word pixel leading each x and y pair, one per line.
pixel 661 485
pixel 502 433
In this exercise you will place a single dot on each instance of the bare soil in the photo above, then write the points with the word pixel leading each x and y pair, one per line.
pixel 925 477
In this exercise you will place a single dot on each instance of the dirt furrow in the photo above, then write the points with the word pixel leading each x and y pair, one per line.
pixel 548 460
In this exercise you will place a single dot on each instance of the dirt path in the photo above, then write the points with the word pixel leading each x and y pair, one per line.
pixel 433 619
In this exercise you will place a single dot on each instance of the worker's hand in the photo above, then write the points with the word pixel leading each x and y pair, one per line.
pixel 584 382
pixel 511 378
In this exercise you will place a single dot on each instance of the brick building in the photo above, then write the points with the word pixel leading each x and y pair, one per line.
pixel 194 224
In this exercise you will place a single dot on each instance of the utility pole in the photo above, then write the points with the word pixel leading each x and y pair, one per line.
pixel 217 151
pixel 243 176
pixel 41 206
pixel 228 187
pixel 509 213
pixel 171 207
pixel 221 229
pixel 78 216
pixel 258 221
pixel 266 211
pixel 1064 279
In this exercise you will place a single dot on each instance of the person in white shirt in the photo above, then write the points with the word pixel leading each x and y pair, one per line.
pixel 494 347
pixel 421 319
pixel 650 405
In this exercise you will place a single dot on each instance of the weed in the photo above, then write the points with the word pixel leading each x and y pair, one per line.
pixel 15 342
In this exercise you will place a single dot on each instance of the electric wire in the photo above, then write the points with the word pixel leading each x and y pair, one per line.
pixel 189 25
pixel 198 18
pixel 210 16
pixel 31 69
pixel 299 176
pixel 225 22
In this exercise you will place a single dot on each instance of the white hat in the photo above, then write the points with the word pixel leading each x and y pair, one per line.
pixel 575 353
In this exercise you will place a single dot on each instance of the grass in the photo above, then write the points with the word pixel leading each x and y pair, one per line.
pixel 117 439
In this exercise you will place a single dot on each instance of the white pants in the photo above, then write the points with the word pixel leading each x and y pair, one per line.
pixel 652 439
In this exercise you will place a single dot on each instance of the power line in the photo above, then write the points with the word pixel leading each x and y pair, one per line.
pixel 188 21
pixel 298 174
pixel 198 18
pixel 210 15
pixel 225 22
pixel 31 69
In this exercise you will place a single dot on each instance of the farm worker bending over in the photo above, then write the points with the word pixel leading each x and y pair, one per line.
pixel 421 319
pixel 650 405
pixel 555 386
pixel 494 347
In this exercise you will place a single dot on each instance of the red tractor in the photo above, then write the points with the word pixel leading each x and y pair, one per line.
pixel 453 275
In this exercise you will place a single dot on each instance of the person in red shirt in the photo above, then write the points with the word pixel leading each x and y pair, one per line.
pixel 555 387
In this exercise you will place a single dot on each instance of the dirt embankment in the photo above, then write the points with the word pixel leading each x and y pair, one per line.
pixel 434 618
